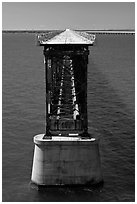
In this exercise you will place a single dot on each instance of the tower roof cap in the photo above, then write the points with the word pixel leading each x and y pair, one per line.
pixel 67 37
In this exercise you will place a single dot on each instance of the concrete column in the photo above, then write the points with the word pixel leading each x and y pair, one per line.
pixel 66 161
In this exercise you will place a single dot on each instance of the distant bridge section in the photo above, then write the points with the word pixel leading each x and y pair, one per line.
pixel 111 32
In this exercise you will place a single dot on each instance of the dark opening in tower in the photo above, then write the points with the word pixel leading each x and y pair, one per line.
pixel 66 89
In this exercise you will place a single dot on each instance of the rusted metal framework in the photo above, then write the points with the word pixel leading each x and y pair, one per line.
pixel 66 89
pixel 66 60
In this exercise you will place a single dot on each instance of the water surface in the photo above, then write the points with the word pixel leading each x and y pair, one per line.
pixel 110 114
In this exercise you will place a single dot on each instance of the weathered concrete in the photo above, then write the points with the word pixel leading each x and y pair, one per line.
pixel 66 161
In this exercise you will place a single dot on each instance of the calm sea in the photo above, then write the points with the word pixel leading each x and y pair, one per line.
pixel 111 72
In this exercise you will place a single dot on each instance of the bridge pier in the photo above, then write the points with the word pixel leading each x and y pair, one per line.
pixel 66 161
pixel 66 154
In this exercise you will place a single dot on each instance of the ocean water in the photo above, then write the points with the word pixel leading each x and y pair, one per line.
pixel 111 115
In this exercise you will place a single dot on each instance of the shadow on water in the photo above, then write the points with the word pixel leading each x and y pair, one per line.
pixel 111 118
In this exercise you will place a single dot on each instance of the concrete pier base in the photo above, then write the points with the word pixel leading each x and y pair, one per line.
pixel 66 161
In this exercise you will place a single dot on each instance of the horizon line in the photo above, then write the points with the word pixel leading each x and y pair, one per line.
pixel 105 29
